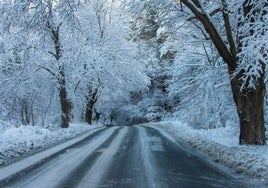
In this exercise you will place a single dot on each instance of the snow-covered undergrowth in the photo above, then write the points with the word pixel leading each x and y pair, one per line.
pixel 222 146
pixel 17 142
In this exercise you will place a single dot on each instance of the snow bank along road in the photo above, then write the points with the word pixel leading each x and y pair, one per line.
pixel 125 157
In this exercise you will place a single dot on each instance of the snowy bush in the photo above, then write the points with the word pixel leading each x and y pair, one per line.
pixel 5 125
pixel 18 141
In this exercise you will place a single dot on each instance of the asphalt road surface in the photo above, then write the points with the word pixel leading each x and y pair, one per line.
pixel 126 157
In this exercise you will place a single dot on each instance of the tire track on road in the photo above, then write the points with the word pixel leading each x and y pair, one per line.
pixel 58 168
pixel 104 160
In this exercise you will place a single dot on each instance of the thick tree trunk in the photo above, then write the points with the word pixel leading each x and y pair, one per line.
pixel 249 104
pixel 250 101
pixel 66 105
pixel 65 108
pixel 89 112
pixel 91 100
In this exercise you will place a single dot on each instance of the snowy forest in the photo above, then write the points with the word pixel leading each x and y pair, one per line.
pixel 118 62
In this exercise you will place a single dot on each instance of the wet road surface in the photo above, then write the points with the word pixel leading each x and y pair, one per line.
pixel 126 157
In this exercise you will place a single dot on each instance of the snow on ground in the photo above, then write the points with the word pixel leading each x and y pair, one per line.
pixel 17 142
pixel 222 146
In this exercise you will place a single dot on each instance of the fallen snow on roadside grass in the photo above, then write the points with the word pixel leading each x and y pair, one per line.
pixel 221 145
pixel 19 141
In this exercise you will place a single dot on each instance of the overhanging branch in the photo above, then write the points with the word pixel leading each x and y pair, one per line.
pixel 49 71
pixel 210 28
pixel 228 28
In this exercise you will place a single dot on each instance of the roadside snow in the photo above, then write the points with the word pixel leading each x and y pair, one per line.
pixel 54 173
pixel 221 145
pixel 17 142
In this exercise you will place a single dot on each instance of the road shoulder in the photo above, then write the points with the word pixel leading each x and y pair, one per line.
pixel 17 168
pixel 233 160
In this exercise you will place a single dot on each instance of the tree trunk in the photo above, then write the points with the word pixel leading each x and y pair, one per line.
pixel 249 104
pixel 32 116
pixel 91 100
pixel 97 115
pixel 27 113
pixel 89 111
pixel 65 108
pixel 66 105
pixel 250 101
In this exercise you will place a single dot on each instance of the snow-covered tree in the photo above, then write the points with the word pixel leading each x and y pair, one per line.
pixel 110 68
pixel 242 26
pixel 238 31
pixel 72 48
pixel 149 32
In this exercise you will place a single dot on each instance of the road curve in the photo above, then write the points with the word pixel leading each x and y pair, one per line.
pixel 126 157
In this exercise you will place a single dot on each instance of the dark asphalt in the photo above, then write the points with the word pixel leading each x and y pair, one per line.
pixel 127 157
pixel 172 166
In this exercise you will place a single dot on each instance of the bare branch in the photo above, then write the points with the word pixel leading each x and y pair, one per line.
pixel 220 45
pixel 52 54
pixel 228 28
pixel 205 49
pixel 215 11
pixel 48 70
pixel 201 29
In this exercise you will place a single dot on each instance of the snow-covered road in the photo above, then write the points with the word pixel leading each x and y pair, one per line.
pixel 138 157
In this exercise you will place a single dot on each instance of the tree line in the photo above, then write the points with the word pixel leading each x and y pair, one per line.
pixel 159 56
pixel 61 60
pixel 231 35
